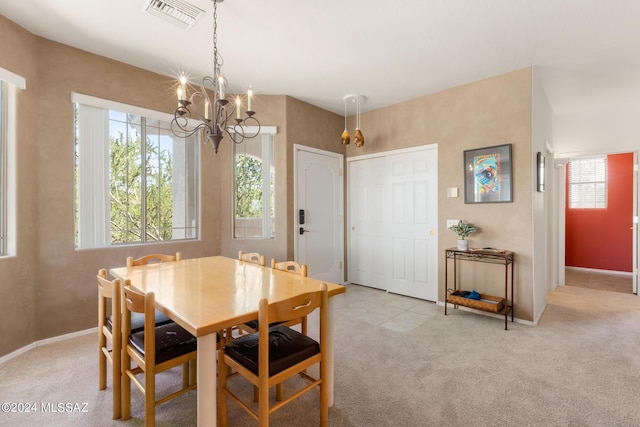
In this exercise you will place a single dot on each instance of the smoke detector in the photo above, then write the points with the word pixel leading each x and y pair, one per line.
pixel 179 13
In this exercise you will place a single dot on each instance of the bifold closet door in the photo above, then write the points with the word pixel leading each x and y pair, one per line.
pixel 393 222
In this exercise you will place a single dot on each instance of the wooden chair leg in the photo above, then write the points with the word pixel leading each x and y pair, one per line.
pixel 150 398
pixel 193 372
pixel 102 368
pixel 263 402
pixel 186 377
pixel 126 390
pixel 116 375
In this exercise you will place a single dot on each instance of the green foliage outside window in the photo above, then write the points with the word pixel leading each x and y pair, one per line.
pixel 126 191
pixel 248 187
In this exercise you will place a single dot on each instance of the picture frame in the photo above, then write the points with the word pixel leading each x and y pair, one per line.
pixel 488 175
pixel 541 171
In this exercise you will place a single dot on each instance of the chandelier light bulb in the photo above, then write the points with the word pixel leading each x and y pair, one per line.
pixel 207 112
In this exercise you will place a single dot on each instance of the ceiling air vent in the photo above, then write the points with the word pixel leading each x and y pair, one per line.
pixel 179 13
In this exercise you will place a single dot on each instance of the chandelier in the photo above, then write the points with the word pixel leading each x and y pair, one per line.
pixel 209 106
pixel 358 137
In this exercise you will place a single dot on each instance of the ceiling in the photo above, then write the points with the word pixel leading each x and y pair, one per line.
pixel 586 52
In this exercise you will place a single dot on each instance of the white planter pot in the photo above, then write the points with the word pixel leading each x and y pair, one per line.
pixel 463 245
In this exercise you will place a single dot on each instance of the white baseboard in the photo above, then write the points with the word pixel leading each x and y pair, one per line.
pixel 46 341
pixel 597 270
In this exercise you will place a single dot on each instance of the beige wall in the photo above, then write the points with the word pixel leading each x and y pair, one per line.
pixel 58 295
pixel 17 274
pixel 489 112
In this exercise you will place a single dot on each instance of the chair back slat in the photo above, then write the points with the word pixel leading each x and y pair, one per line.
pixel 290 267
pixel 153 259
pixel 252 257
pixel 294 308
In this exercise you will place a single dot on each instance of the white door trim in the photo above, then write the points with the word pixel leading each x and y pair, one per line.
pixel 391 152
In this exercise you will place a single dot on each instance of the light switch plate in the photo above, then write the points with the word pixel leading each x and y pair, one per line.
pixel 451 222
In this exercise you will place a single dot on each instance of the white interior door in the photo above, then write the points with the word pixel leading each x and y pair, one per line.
pixel 393 222
pixel 413 220
pixel 367 219
pixel 319 241
pixel 636 210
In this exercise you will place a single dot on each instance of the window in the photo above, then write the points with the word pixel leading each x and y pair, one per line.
pixel 588 183
pixel 254 168
pixel 10 84
pixel 3 169
pixel 135 181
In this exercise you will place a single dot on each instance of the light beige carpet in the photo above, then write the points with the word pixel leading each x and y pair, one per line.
pixel 579 367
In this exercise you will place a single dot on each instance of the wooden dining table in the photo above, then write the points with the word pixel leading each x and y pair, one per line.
pixel 208 295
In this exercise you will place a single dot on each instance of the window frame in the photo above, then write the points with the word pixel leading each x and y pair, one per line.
pixel 147 127
pixel 3 167
pixel 266 138
pixel 11 85
pixel 574 181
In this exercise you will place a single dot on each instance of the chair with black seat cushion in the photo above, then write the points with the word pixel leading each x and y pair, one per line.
pixel 252 257
pixel 153 258
pixel 290 267
pixel 137 319
pixel 154 349
pixel 272 355
pixel 109 340
pixel 293 268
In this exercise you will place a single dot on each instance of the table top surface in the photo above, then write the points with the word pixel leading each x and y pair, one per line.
pixel 205 295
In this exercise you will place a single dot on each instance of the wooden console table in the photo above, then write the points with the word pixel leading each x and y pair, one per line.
pixel 489 256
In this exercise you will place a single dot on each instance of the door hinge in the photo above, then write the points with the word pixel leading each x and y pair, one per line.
pixel 340 265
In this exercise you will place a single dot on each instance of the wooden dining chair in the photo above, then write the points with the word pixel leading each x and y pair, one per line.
pixel 272 355
pixel 109 341
pixel 251 326
pixel 252 257
pixel 290 267
pixel 137 320
pixel 153 350
pixel 153 258
pixel 293 268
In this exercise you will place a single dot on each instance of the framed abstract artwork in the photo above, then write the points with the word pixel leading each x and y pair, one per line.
pixel 488 175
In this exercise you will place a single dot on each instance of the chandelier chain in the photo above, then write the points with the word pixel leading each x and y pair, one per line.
pixel 216 66
pixel 213 114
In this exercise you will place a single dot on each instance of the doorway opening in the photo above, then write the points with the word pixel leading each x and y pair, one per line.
pixel 600 230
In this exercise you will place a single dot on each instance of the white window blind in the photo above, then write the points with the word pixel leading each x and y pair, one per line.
pixel 588 183
pixel 10 84
pixel 136 182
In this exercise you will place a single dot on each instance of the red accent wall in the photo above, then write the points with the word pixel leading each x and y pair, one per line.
pixel 602 238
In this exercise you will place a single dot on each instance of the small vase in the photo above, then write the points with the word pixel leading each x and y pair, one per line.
pixel 463 245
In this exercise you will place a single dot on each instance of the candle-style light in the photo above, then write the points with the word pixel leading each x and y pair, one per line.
pixel 210 106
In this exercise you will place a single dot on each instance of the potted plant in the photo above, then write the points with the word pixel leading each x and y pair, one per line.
pixel 463 229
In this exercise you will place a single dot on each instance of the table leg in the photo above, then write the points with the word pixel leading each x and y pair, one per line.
pixel 330 350
pixel 207 381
